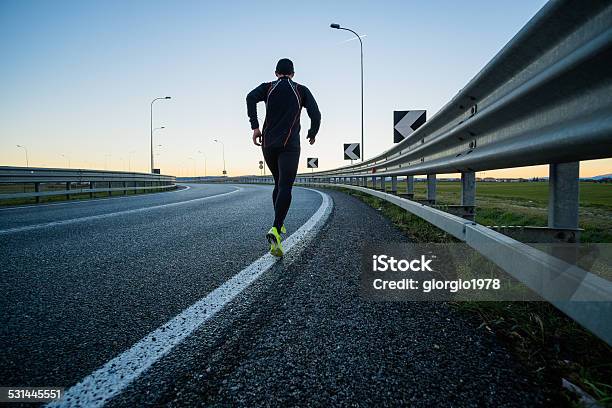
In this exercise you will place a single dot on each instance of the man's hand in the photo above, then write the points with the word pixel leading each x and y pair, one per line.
pixel 311 140
pixel 257 138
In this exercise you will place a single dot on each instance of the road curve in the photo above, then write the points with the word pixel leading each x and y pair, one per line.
pixel 81 293
pixel 91 279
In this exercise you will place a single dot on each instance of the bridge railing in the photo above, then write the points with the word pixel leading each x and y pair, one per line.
pixel 33 182
pixel 545 98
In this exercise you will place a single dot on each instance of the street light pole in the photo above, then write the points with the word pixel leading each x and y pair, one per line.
pixel 165 97
pixel 194 167
pixel 26 154
pixel 205 159
pixel 130 153
pixel 337 27
pixel 67 158
pixel 223 150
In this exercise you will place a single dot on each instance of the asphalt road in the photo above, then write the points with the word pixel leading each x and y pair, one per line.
pixel 76 294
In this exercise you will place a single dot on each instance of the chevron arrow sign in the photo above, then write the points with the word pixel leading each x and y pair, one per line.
pixel 312 163
pixel 406 122
pixel 351 151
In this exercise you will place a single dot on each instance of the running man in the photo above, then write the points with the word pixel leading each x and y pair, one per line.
pixel 280 138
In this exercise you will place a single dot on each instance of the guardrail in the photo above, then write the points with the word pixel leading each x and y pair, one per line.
pixel 77 181
pixel 545 98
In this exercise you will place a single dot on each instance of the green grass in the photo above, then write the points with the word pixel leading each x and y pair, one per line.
pixel 526 204
pixel 591 194
pixel 548 343
pixel 73 197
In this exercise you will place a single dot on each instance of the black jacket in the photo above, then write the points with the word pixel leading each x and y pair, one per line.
pixel 284 100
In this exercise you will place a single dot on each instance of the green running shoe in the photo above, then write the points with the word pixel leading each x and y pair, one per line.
pixel 274 238
pixel 283 229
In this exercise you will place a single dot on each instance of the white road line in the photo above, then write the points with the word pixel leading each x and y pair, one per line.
pixel 108 215
pixel 108 381
pixel 91 200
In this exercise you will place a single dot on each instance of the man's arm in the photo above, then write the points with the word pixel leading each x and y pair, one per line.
pixel 256 95
pixel 313 112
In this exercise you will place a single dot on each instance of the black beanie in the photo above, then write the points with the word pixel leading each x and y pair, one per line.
pixel 284 67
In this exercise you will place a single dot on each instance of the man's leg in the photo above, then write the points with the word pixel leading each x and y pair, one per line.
pixel 287 169
pixel 271 158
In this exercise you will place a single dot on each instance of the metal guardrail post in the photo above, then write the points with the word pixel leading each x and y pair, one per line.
pixel 468 188
pixel 431 188
pixel 374 182
pixel 91 187
pixel 563 195
pixel 383 184
pixel 394 185
pixel 409 184
pixel 110 184
pixel 37 189
pixel 125 188
pixel 409 194
pixel 68 185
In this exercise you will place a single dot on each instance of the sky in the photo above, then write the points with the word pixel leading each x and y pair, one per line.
pixel 78 77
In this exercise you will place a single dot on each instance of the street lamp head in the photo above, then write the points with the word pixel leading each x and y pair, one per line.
pixel 335 25
pixel 168 97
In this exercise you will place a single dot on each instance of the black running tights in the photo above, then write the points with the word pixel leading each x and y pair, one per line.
pixel 283 164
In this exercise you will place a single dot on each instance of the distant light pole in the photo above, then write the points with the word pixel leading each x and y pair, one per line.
pixel 205 159
pixel 223 150
pixel 26 154
pixel 106 159
pixel 337 27
pixel 67 158
pixel 194 166
pixel 130 153
pixel 156 99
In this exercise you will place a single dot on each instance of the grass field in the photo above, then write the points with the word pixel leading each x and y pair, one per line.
pixel 526 204
pixel 550 345
pixel 528 194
